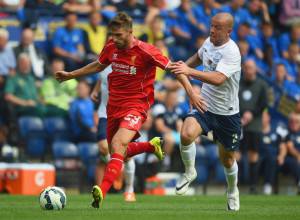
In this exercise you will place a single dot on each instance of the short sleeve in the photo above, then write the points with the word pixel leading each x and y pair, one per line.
pixel 56 40
pixel 230 63
pixel 105 53
pixel 158 59
pixel 200 53
pixel 9 86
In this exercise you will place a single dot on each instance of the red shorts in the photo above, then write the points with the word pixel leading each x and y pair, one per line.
pixel 120 117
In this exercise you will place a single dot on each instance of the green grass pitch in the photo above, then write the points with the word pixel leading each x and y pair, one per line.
pixel 154 208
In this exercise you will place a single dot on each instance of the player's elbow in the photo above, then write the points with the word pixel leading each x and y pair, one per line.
pixel 219 80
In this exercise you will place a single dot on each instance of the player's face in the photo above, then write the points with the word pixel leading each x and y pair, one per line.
pixel 121 37
pixel 294 123
pixel 219 32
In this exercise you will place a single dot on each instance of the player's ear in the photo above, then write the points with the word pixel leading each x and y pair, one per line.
pixel 229 31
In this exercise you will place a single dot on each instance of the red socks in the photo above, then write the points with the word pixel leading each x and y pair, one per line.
pixel 135 148
pixel 114 166
pixel 112 171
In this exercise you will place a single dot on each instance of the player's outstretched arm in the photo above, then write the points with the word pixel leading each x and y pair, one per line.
pixel 196 100
pixel 86 70
pixel 194 61
pixel 95 92
pixel 214 78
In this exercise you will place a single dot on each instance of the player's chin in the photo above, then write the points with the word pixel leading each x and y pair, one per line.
pixel 119 45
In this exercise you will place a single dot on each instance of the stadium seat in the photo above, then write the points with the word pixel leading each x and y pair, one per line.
pixel 33 134
pixel 57 129
pixel 88 152
pixel 64 149
pixel 36 146
pixel 29 125
pixel 68 167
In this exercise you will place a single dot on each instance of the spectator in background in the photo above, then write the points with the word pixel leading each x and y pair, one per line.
pixel 268 38
pixel 244 49
pixel 280 81
pixel 244 33
pixel 33 9
pixel 82 115
pixel 38 58
pixel 68 43
pixel 286 39
pixel 190 22
pixel 94 35
pixel 273 151
pixel 21 91
pixel 12 5
pixel 81 6
pixel 155 35
pixel 258 13
pixel 290 12
pixel 292 61
pixel 237 10
pixel 167 123
pixel 155 30
pixel 280 76
pixel 203 11
pixel 134 9
pixel 292 161
pixel 57 96
pixel 7 58
pixel 253 100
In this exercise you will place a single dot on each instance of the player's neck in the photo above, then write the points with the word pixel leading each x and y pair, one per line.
pixel 222 43
pixel 131 43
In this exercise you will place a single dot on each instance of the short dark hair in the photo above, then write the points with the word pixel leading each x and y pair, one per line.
pixel 121 20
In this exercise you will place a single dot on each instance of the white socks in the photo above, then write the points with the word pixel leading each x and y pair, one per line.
pixel 129 175
pixel 231 177
pixel 188 155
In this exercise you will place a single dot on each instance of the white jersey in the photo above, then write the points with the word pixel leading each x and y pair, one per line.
pixel 226 59
pixel 104 92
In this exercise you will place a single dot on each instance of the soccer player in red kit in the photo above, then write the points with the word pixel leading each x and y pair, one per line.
pixel 131 94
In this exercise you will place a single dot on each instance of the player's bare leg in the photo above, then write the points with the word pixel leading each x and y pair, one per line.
pixel 103 160
pixel 119 145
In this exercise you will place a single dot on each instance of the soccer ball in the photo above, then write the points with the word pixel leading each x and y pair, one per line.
pixel 53 198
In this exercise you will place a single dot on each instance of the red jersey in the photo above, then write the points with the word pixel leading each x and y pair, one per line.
pixel 131 83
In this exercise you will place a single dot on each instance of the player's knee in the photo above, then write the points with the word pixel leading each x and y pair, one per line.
pixel 118 146
pixel 186 137
pixel 227 162
pixel 168 138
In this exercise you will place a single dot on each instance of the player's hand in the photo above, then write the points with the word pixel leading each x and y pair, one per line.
pixel 94 96
pixel 280 160
pixel 247 118
pixel 198 102
pixel 179 68
pixel 30 103
pixel 62 76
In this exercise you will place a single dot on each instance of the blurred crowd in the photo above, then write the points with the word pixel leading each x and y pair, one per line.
pixel 267 33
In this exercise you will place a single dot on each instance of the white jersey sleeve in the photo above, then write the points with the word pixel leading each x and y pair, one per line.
pixel 230 63
pixel 200 51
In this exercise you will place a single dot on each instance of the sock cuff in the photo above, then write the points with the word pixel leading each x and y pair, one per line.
pixel 232 170
pixel 186 147
pixel 117 156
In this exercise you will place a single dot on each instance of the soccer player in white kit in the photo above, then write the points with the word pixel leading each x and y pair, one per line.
pixel 101 85
pixel 217 109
